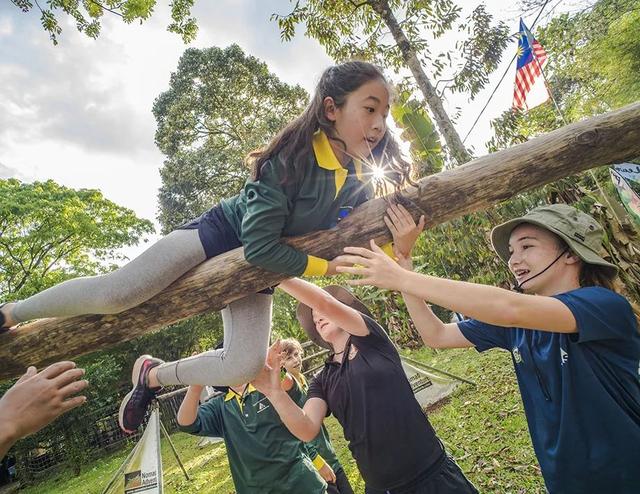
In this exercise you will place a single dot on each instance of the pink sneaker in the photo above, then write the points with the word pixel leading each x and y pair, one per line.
pixel 134 406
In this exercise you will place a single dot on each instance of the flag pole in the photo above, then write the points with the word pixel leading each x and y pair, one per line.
pixel 548 86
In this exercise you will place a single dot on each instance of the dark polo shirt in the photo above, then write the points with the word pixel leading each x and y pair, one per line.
pixel 580 391
pixel 388 433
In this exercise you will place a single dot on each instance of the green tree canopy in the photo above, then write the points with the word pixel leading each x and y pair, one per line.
pixel 49 233
pixel 221 104
pixel 87 15
pixel 593 66
pixel 400 34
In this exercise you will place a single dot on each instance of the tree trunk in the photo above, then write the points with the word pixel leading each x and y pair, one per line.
pixel 600 140
pixel 447 130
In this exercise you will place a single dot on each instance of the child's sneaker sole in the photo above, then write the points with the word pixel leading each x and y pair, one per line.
pixel 136 374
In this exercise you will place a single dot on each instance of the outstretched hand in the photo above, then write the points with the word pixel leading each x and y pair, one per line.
pixel 268 380
pixel 375 267
pixel 403 228
pixel 38 398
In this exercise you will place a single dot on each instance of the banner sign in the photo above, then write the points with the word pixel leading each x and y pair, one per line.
pixel 626 178
pixel 142 470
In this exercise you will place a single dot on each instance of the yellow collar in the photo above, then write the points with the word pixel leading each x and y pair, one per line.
pixel 232 394
pixel 302 381
pixel 325 156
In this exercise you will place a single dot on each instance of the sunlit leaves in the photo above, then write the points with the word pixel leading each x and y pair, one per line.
pixel 418 130
pixel 49 233
pixel 481 51
pixel 87 15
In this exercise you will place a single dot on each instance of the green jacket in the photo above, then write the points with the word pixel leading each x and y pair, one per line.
pixel 264 457
pixel 266 209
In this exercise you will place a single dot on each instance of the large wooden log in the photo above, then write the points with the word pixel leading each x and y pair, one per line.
pixel 601 140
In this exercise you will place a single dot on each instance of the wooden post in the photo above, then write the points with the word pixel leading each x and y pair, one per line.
pixel 601 140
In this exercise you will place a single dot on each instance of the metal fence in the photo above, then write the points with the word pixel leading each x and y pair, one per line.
pixel 84 435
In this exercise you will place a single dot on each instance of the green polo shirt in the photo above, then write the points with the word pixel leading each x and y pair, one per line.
pixel 266 209
pixel 264 457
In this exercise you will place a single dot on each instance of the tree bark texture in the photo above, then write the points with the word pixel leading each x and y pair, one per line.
pixel 447 130
pixel 597 141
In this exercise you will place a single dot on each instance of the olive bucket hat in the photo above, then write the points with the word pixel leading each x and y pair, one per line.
pixel 580 231
pixel 305 315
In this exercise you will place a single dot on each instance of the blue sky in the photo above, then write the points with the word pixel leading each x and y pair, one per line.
pixel 80 112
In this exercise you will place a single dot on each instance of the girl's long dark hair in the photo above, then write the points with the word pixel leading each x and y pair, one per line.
pixel 292 144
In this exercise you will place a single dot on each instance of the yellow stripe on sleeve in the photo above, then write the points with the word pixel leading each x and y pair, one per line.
pixel 388 249
pixel 316 266
pixel 319 462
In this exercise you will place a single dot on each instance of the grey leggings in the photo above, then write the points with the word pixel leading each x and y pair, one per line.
pixel 247 327
pixel 135 282
pixel 247 322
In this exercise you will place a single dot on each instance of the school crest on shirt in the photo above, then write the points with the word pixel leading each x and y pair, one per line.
pixel 517 357
pixel 564 356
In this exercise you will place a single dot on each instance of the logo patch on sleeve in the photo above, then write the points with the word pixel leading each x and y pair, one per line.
pixel 517 357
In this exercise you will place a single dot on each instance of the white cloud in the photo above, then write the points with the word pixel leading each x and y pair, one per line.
pixel 6 27
pixel 80 112
pixel 8 172
pixel 73 92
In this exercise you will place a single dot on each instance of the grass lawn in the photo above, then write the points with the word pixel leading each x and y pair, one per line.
pixel 483 427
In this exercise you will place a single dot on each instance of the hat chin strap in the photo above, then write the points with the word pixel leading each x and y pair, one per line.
pixel 518 286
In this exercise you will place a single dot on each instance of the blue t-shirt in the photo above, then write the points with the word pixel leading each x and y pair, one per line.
pixel 581 392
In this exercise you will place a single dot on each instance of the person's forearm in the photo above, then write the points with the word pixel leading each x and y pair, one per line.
pixel 188 411
pixel 486 303
pixel 426 322
pixel 9 431
pixel 293 417
pixel 305 292
pixel 7 439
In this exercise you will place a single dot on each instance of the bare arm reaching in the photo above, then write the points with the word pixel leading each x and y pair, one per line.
pixel 37 399
pixel 304 423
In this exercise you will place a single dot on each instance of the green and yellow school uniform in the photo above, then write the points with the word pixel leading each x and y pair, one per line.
pixel 268 209
pixel 264 457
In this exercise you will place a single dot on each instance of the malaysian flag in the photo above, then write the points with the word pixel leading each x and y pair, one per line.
pixel 530 90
